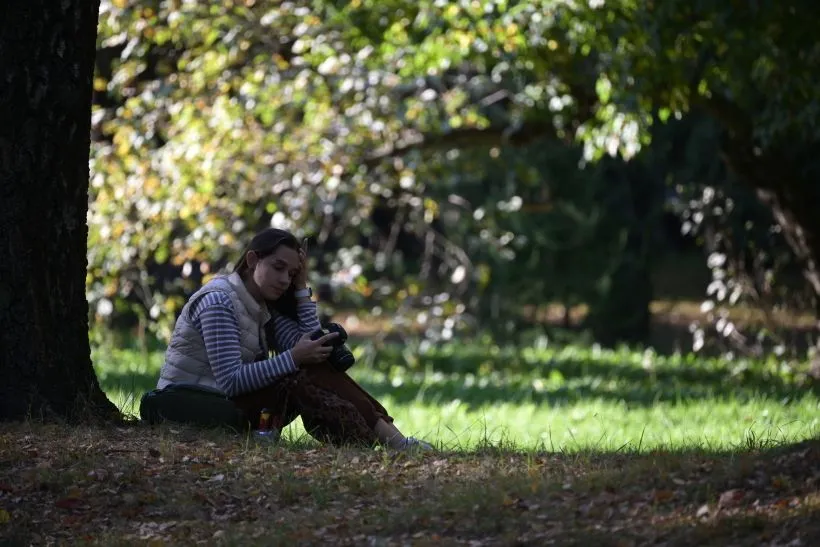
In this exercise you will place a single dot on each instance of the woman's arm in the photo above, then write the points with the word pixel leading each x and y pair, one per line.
pixel 287 331
pixel 214 316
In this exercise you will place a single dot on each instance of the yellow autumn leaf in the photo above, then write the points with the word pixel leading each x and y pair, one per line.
pixel 122 140
pixel 281 62
pixel 464 40
pixel 5 517
pixel 150 185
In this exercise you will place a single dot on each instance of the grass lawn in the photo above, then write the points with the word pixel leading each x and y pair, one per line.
pixel 567 399
pixel 539 446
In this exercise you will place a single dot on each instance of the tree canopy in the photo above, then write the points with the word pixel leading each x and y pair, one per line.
pixel 214 119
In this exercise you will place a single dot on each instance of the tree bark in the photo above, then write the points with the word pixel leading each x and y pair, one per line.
pixel 622 313
pixel 785 175
pixel 785 178
pixel 47 51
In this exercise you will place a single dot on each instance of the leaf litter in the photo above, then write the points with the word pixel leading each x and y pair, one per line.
pixel 167 486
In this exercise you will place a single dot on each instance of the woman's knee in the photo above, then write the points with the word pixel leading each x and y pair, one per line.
pixel 319 370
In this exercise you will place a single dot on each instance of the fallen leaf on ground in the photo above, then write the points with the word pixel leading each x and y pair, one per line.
pixel 68 503
pixel 731 498
pixel 663 495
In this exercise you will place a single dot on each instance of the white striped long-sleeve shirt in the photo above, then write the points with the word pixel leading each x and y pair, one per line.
pixel 213 316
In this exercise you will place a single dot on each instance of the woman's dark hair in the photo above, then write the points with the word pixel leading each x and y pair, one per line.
pixel 264 244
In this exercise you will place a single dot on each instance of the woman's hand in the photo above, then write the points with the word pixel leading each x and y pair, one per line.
pixel 301 278
pixel 307 351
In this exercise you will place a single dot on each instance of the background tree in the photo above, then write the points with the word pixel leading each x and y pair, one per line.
pixel 364 124
pixel 47 50
pixel 208 128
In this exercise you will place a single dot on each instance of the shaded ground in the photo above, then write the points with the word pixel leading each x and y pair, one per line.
pixel 135 485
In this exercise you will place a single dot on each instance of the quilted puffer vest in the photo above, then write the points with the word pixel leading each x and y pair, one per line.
pixel 186 360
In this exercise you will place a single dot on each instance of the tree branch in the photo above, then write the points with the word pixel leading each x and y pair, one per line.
pixel 728 113
pixel 470 137
pixel 706 54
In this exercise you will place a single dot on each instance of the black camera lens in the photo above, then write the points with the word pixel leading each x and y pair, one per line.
pixel 341 337
pixel 341 358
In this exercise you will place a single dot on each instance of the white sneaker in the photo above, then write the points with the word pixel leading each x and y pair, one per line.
pixel 412 443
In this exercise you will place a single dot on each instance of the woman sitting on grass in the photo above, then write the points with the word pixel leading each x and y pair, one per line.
pixel 219 341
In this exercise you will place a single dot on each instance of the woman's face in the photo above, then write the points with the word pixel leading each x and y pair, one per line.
pixel 274 273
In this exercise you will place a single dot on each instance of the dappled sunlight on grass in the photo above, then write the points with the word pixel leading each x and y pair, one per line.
pixel 567 399
pixel 608 426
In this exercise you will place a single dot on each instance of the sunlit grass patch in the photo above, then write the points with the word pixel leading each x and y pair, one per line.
pixel 567 399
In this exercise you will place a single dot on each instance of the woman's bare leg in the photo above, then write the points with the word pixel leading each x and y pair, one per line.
pixel 389 434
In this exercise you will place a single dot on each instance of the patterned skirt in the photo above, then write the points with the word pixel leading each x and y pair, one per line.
pixel 334 408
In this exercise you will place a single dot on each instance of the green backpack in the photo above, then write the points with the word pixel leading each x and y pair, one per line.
pixel 192 404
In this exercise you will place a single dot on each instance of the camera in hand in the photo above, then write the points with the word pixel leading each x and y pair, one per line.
pixel 340 357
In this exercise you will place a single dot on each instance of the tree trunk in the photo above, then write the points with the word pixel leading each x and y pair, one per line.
pixel 47 51
pixel 622 314
pixel 785 178
pixel 785 175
